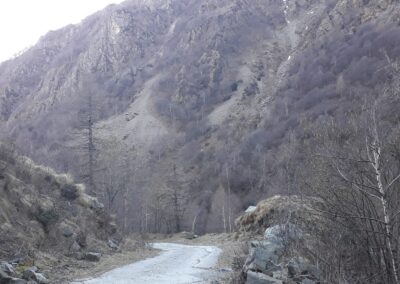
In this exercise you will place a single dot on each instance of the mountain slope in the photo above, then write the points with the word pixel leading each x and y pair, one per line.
pixel 204 96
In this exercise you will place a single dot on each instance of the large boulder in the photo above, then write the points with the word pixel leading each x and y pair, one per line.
pixel 301 268
pixel 283 234
pixel 7 268
pixel 41 279
pixel 264 256
pixel 268 263
pixel 4 277
pixel 260 278
pixel 32 274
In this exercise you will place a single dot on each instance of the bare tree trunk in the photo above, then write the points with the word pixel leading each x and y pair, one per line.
pixel 176 211
pixel 90 146
pixel 223 213
pixel 376 164
pixel 229 202
pixel 124 210
pixel 194 223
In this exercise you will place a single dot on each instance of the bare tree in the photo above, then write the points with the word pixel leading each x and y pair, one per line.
pixel 358 178
pixel 176 198
pixel 88 114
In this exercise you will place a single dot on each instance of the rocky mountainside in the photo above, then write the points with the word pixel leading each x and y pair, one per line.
pixel 45 219
pixel 205 96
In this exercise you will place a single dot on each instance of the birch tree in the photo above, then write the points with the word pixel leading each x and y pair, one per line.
pixel 358 178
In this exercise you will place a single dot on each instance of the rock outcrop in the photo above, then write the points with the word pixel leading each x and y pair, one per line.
pixel 269 260
pixel 278 229
pixel 37 219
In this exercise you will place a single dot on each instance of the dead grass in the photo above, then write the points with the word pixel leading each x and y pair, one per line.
pixel 272 211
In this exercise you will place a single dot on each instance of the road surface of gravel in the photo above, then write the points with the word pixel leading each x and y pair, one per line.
pixel 177 264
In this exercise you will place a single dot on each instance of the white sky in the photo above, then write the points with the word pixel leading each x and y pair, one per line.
pixel 23 22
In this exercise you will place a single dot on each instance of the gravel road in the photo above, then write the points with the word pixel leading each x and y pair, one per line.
pixel 177 264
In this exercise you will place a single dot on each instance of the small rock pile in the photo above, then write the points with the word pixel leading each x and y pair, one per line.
pixel 31 275
pixel 268 264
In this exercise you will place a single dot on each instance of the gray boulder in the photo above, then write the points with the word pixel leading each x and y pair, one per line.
pixel 250 209
pixel 67 231
pixel 4 277
pixel 7 279
pixel 32 275
pixel 113 244
pixel 92 256
pixel 260 278
pixel 96 205
pixel 264 256
pixel 41 279
pixel 299 266
pixel 7 268
pixel 283 233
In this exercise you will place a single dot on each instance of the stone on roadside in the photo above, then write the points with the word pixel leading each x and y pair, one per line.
pixel 75 247
pixel 260 278
pixel 188 235
pixel 32 275
pixel 113 244
pixel 93 256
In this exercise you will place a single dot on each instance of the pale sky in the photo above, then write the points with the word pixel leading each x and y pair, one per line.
pixel 23 22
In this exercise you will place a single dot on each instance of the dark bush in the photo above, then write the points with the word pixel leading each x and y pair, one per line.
pixel 46 217
pixel 69 192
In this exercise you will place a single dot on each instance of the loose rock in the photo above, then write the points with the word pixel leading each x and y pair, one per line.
pixel 93 256
pixel 260 278
pixel 33 276
pixel 7 268
pixel 188 235
pixel 112 244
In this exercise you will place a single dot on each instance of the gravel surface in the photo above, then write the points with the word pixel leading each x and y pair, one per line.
pixel 178 264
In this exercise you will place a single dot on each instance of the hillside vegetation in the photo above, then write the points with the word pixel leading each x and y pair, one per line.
pixel 180 114
pixel 45 218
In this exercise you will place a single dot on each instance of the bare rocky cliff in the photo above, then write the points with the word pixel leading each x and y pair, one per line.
pixel 200 95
